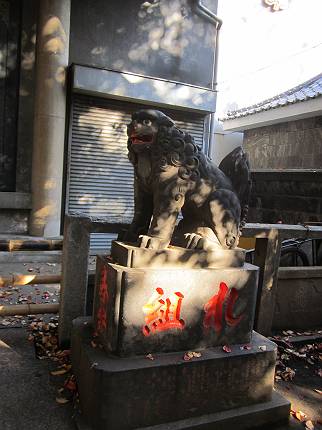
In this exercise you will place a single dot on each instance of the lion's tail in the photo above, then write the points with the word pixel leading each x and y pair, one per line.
pixel 236 166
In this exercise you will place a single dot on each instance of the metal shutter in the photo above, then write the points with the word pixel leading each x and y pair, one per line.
pixel 100 177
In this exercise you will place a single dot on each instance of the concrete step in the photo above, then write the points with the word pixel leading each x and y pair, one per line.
pixel 30 257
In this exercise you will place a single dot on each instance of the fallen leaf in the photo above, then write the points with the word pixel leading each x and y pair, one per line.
pixel 226 348
pixel 246 347
pixel 62 371
pixel 62 400
pixel 309 425
pixel 70 383
pixel 191 354
pixel 288 374
pixel 299 415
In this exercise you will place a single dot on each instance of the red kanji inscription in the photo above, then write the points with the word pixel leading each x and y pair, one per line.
pixel 214 308
pixel 162 314
pixel 101 316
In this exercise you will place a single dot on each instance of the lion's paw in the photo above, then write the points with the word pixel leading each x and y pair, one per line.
pixel 151 242
pixel 196 241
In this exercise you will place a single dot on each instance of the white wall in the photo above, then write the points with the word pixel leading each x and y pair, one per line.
pixel 224 143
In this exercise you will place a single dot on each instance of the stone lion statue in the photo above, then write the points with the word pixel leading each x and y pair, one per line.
pixel 173 175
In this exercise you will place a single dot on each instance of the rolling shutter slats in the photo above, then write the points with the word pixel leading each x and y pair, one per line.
pixel 100 181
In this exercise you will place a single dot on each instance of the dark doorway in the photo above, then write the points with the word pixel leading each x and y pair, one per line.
pixel 10 15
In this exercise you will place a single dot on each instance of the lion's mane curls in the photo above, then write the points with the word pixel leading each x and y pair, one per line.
pixel 176 148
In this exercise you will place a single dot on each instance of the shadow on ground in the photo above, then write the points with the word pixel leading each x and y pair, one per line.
pixel 27 392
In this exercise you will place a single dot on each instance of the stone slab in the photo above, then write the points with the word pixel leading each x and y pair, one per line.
pixel 129 393
pixel 175 257
pixel 138 311
pixel 274 412
pixel 31 257
pixel 298 300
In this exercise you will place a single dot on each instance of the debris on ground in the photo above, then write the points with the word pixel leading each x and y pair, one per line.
pixel 190 355
pixel 309 353
pixel 44 335
pixel 299 372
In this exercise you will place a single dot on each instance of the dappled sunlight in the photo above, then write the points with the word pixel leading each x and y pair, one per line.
pixel 133 79
pixel 107 136
pixel 98 50
pixel 60 75
pixel 28 60
pixel 41 215
pixel 54 27
pixel 7 59
pixel 50 184
pixel 55 45
pixel 2 344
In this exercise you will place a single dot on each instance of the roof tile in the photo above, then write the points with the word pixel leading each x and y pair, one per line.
pixel 305 91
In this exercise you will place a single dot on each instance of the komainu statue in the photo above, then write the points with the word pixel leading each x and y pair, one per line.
pixel 173 175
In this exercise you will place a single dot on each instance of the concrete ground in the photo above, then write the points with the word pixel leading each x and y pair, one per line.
pixel 28 390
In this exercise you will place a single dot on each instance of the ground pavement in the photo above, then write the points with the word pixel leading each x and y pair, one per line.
pixel 28 391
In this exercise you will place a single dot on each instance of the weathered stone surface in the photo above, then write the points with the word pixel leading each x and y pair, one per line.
pixel 176 257
pixel 274 412
pixel 138 311
pixel 291 145
pixel 298 298
pixel 13 221
pixel 291 196
pixel 136 392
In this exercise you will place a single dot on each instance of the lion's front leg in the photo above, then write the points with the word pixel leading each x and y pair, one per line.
pixel 167 203
pixel 143 208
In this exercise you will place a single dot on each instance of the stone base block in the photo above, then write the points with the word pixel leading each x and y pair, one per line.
pixel 171 392
pixel 176 257
pixel 268 414
pixel 137 311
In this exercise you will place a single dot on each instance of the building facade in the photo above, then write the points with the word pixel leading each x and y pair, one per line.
pixel 73 71
pixel 283 138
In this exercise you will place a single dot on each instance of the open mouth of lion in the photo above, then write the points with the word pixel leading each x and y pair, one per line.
pixel 144 139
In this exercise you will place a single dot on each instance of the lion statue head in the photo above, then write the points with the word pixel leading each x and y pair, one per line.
pixel 151 130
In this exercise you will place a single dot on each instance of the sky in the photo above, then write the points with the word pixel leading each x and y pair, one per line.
pixel 263 53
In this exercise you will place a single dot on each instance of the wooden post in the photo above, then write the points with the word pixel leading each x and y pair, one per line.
pixel 267 257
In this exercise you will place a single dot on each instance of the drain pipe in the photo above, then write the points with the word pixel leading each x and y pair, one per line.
pixel 204 12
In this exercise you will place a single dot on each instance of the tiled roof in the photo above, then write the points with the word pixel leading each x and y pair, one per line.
pixel 306 91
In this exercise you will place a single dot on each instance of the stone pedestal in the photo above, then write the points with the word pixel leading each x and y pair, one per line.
pixel 150 309
pixel 138 311
pixel 216 390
